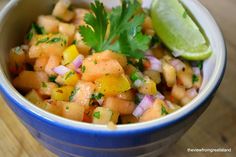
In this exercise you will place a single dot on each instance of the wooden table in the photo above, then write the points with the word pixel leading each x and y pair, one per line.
pixel 215 129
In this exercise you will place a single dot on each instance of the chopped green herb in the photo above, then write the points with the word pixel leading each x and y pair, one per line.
pixel 200 65
pixel 97 115
pixel 154 40
pixel 195 78
pixel 30 35
pixel 73 94
pixel 163 110
pixel 135 76
pixel 75 42
pixel 38 29
pixel 97 96
pixel 69 74
pixel 67 108
pixel 140 65
pixel 83 69
pixel 185 14
pixel 35 29
pixel 125 29
pixel 137 100
pixel 54 40
pixel 52 78
pixel 95 62
pixel 44 85
pixel 44 40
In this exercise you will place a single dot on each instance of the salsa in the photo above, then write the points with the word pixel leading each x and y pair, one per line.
pixel 100 66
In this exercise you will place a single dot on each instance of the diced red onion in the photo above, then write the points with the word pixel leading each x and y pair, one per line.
pixel 169 104
pixel 145 104
pixel 177 53
pixel 177 64
pixel 191 93
pixel 78 61
pixel 160 96
pixel 156 65
pixel 61 70
pixel 196 71
pixel 138 83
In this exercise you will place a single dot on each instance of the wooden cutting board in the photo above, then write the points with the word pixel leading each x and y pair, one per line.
pixel 215 129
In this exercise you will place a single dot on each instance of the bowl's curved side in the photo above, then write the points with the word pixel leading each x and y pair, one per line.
pixel 86 139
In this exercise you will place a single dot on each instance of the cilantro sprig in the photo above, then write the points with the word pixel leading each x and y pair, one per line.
pixel 119 30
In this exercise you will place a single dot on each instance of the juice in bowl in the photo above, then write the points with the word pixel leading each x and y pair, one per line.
pixel 91 78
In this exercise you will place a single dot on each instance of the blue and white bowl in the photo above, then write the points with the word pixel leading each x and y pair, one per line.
pixel 70 138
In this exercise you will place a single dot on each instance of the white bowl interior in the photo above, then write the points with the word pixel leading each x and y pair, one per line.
pixel 18 25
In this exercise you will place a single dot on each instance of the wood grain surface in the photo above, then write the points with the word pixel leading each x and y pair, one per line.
pixel 216 128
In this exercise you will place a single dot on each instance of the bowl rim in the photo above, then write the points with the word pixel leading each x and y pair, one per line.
pixel 10 93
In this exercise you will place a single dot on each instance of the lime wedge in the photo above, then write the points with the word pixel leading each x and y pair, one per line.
pixel 178 31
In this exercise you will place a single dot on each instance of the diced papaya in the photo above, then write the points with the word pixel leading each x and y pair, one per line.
pixel 51 106
pixel 17 58
pixel 72 110
pixel 79 16
pixel 68 30
pixel 40 63
pixel 81 46
pixel 169 74
pixel 62 93
pixel 48 45
pixel 186 76
pixel 82 93
pixel 112 84
pixel 47 88
pixel 102 115
pixel 109 55
pixel 121 106
pixel 30 80
pixel 53 62
pixel 178 92
pixel 157 110
pixel 62 12
pixel 92 70
pixel 33 97
pixel 49 23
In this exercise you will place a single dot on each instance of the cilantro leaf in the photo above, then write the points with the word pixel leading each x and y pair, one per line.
pixel 124 29
pixel 97 115
pixel 163 110
pixel 95 36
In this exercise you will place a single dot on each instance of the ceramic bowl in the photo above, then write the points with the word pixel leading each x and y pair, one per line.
pixel 70 138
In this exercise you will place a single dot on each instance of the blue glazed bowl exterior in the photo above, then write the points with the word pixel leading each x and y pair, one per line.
pixel 68 138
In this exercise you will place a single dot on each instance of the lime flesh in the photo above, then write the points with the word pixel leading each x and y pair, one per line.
pixel 178 31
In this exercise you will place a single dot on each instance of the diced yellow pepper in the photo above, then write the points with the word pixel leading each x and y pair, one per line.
pixel 112 84
pixel 70 54
pixel 149 87
pixel 70 78
pixel 62 93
